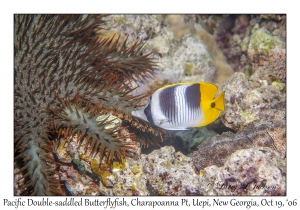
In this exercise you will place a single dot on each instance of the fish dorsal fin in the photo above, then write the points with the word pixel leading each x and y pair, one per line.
pixel 180 83
pixel 208 91
pixel 166 86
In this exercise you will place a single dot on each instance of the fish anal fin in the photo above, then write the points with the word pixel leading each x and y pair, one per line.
pixel 210 116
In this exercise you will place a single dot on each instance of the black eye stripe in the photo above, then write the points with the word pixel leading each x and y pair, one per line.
pixel 212 105
pixel 148 113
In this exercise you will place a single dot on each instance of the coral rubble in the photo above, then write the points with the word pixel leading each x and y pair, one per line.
pixel 253 171
pixel 170 173
pixel 87 177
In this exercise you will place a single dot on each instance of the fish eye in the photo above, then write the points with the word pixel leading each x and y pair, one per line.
pixel 212 105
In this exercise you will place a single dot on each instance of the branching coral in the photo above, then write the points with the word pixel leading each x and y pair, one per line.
pixel 65 76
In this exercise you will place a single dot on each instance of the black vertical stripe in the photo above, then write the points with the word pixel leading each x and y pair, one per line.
pixel 167 103
pixel 193 95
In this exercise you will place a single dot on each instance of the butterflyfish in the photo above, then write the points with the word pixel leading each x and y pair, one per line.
pixel 183 105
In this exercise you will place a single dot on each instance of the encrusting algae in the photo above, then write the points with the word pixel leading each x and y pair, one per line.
pixel 103 170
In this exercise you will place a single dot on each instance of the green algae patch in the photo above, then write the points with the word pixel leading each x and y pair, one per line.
pixel 248 116
pixel 167 164
pixel 263 41
pixel 135 169
pixel 80 165
pixel 189 68
pixel 278 85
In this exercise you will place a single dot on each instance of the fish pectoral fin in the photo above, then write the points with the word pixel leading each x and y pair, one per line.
pixel 163 121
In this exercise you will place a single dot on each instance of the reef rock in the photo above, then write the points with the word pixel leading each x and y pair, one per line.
pixel 127 180
pixel 216 150
pixel 251 100
pixel 267 55
pixel 254 171
pixel 180 44
pixel 170 173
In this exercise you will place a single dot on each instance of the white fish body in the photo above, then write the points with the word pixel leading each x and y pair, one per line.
pixel 181 106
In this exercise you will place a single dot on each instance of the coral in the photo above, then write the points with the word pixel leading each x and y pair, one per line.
pixel 253 108
pixel 253 171
pixel 170 173
pixel 180 25
pixel 130 180
pixel 278 133
pixel 127 180
pixel 65 77
pixel 278 85
pixel 224 69
pixel 250 162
